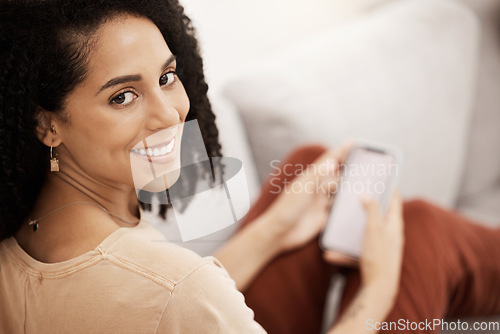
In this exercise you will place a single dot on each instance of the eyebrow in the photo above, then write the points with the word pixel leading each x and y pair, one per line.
pixel 131 77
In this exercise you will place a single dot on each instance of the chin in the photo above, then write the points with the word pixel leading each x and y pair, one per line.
pixel 161 183
pixel 155 177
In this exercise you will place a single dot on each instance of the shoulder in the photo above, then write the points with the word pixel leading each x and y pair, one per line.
pixel 202 295
pixel 146 252
pixel 207 299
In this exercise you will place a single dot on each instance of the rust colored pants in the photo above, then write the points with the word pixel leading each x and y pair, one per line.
pixel 451 268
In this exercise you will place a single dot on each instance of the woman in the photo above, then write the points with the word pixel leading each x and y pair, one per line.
pixel 82 84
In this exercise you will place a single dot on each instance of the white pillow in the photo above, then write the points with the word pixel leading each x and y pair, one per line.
pixel 482 173
pixel 234 140
pixel 402 75
pixel 233 34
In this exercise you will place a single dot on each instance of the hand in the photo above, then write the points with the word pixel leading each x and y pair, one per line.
pixel 380 266
pixel 301 210
pixel 382 255
pixel 383 246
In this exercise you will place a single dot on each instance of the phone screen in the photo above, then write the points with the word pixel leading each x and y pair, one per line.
pixel 366 172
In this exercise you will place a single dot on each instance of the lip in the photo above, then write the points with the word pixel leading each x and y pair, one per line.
pixel 161 159
pixel 160 145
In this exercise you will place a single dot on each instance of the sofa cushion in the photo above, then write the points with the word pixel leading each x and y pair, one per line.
pixel 244 31
pixel 480 193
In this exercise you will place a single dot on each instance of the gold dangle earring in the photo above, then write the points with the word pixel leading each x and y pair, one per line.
pixel 54 163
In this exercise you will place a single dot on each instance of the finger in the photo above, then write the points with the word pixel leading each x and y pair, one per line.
pixel 323 166
pixel 332 161
pixel 397 206
pixel 319 172
pixel 343 150
pixel 339 154
pixel 324 210
pixel 395 209
pixel 372 209
pixel 327 185
pixel 328 165
pixel 322 203
pixel 339 259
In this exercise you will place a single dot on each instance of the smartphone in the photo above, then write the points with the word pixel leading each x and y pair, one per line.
pixel 370 169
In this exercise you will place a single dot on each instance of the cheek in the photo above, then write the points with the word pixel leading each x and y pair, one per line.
pixel 183 103
pixel 108 149
pixel 110 157
pixel 102 147
pixel 109 136
pixel 186 106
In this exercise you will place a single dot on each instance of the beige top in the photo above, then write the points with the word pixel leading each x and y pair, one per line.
pixel 133 282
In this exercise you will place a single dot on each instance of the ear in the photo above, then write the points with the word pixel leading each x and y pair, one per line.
pixel 46 130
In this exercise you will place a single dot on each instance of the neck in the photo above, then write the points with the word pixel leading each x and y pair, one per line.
pixel 79 228
pixel 62 188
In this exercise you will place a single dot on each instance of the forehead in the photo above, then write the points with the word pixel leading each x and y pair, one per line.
pixel 126 45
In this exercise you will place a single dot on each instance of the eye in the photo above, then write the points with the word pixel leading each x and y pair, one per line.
pixel 124 98
pixel 167 78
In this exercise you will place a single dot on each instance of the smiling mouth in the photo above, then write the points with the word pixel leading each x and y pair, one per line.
pixel 157 151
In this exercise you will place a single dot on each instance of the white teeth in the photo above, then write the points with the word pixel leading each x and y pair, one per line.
pixel 170 146
pixel 156 152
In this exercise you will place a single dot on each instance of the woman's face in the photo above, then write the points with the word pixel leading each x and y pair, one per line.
pixel 130 100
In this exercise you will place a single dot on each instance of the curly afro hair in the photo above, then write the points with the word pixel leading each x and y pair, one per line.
pixel 44 46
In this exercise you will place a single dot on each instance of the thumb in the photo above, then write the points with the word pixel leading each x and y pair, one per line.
pixel 372 208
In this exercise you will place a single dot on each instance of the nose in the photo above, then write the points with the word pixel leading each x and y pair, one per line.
pixel 163 112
